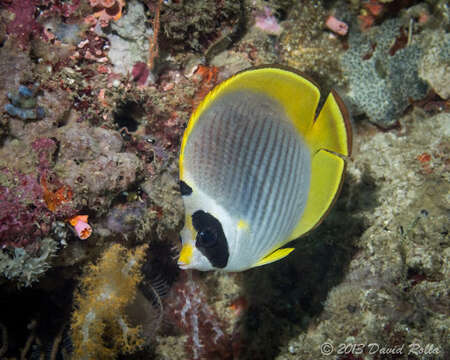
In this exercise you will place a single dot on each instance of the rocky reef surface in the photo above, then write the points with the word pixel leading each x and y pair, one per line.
pixel 94 98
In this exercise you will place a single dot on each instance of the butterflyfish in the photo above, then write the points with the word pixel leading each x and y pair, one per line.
pixel 258 168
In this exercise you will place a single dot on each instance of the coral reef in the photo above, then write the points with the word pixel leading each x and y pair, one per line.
pixel 188 305
pixel 23 23
pixel 15 69
pixel 393 293
pixel 100 328
pixel 337 26
pixel 163 194
pixel 118 80
pixel 29 213
pixel 129 39
pixel 25 267
pixel 90 162
pixel 105 11
pixel 305 45
pixel 81 226
pixel 194 25
pixel 24 216
pixel 434 66
pixel 382 71
pixel 267 22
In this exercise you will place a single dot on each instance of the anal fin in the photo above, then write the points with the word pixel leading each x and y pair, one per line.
pixel 274 256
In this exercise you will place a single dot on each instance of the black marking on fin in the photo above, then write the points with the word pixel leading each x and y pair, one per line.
pixel 211 240
pixel 185 189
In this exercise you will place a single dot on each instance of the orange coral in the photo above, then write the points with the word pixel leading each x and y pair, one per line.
pixel 55 198
pixel 365 20
pixel 100 329
pixel 424 157
pixel 106 10
pixel 371 11
pixel 374 7
pixel 425 161
pixel 81 226
pixel 208 77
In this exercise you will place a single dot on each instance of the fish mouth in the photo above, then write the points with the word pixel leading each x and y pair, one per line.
pixel 185 256
pixel 182 265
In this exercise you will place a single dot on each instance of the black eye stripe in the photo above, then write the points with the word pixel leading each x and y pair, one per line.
pixel 206 238
pixel 202 220
pixel 185 189
pixel 210 240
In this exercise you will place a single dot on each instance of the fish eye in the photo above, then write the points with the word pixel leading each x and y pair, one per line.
pixel 206 238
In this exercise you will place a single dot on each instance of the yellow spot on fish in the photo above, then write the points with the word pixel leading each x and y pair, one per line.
pixel 243 225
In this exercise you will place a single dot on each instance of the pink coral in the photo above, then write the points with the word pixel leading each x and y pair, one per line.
pixel 24 23
pixel 44 147
pixel 268 23
pixel 106 10
pixel 189 308
pixel 140 73
pixel 24 216
pixel 81 226
pixel 66 8
pixel 337 26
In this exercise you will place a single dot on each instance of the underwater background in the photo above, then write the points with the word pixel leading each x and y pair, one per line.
pixel 94 99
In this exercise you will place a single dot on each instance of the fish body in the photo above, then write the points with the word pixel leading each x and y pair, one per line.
pixel 257 170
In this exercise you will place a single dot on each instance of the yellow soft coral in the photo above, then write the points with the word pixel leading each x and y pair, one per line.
pixel 100 329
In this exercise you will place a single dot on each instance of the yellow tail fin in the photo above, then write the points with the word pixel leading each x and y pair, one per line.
pixel 331 130
pixel 329 139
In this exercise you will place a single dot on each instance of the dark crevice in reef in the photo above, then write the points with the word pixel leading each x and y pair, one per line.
pixel 127 116
pixel 38 315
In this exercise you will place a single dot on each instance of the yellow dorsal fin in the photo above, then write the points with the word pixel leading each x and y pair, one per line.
pixel 274 256
pixel 297 95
